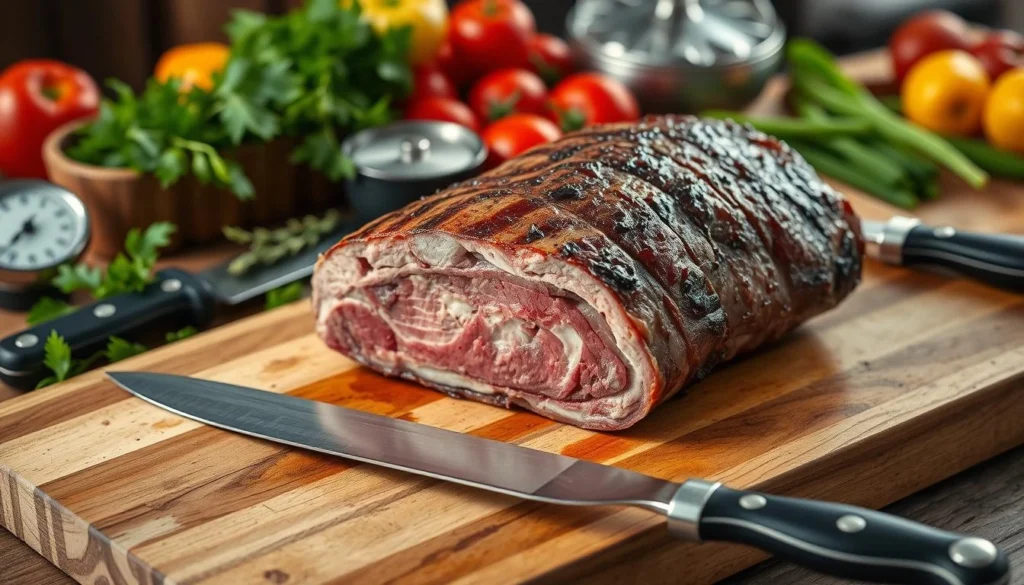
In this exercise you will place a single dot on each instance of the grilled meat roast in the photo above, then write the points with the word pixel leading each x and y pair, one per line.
pixel 591 278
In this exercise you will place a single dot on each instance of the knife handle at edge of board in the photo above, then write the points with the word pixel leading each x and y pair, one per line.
pixel 837 539
pixel 174 295
pixel 994 259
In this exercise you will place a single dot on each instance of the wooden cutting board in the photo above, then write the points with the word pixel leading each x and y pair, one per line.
pixel 912 379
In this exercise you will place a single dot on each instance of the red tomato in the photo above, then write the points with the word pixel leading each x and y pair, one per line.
pixel 591 98
pixel 926 33
pixel 503 92
pixel 429 81
pixel 550 57
pixel 443 109
pixel 999 52
pixel 491 34
pixel 449 64
pixel 36 97
pixel 512 135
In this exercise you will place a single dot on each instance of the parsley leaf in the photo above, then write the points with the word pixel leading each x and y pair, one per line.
pixel 284 295
pixel 78 277
pixel 120 349
pixel 143 246
pixel 171 166
pixel 180 334
pixel 47 309
pixel 57 359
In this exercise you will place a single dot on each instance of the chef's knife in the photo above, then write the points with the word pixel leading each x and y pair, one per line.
pixel 994 259
pixel 842 540
pixel 175 297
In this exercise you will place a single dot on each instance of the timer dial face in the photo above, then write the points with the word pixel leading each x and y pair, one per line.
pixel 41 226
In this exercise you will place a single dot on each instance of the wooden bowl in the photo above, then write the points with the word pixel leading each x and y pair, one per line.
pixel 121 199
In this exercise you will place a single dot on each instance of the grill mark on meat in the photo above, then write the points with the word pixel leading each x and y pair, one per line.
pixel 651 171
pixel 750 230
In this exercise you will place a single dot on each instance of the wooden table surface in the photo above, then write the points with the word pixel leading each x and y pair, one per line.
pixel 987 500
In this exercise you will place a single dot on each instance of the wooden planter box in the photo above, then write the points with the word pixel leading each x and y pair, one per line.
pixel 121 199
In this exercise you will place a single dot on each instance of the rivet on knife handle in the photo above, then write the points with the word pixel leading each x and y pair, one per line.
pixel 844 541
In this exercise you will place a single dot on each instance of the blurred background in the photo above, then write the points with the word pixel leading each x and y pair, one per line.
pixel 124 38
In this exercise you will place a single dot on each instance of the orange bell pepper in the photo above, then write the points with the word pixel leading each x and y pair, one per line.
pixel 194 64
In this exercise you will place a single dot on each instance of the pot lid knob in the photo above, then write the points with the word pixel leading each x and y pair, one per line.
pixel 414 150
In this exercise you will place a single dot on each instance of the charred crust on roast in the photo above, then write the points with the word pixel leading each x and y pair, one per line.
pixel 615 272
pixel 533 234
pixel 568 191
pixel 570 250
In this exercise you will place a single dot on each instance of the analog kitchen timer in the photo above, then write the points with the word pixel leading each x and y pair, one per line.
pixel 42 226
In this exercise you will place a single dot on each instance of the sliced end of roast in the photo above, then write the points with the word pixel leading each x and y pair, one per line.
pixel 505 326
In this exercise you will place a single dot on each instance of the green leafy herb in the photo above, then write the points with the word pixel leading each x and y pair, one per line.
pixel 180 334
pixel 269 246
pixel 46 309
pixel 120 349
pixel 315 73
pixel 125 273
pixel 78 277
pixel 57 359
pixel 284 295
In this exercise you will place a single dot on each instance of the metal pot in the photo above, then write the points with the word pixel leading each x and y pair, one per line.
pixel 680 55
pixel 404 161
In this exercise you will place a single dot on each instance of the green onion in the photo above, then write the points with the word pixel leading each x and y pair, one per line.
pixel 784 127
pixel 883 168
pixel 998 162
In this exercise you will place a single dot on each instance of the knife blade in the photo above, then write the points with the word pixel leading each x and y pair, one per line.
pixel 994 259
pixel 838 539
pixel 175 297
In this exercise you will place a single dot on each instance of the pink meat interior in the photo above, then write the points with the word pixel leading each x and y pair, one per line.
pixel 484 327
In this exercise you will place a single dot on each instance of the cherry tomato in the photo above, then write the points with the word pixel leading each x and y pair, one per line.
pixel 443 109
pixel 36 97
pixel 491 34
pixel 999 52
pixel 449 64
pixel 590 98
pixel 512 135
pixel 550 57
pixel 503 92
pixel 1004 112
pixel 926 33
pixel 429 81
pixel 945 92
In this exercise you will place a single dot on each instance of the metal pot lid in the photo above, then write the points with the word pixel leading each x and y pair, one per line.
pixel 415 150
pixel 698 33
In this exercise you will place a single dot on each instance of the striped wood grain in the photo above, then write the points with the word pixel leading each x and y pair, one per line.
pixel 912 379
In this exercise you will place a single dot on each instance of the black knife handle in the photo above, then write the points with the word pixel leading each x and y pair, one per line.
pixel 850 542
pixel 995 259
pixel 174 296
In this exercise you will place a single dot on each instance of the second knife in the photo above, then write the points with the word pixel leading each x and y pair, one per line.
pixel 175 296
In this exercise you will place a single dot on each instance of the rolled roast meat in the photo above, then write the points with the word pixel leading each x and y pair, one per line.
pixel 593 277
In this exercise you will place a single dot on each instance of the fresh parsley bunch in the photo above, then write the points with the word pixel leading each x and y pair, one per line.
pixel 316 74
